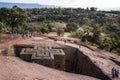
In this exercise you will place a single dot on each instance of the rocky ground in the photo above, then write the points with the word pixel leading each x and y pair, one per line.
pixel 12 68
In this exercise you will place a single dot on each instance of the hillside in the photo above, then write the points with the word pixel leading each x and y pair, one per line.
pixel 101 28
pixel 23 5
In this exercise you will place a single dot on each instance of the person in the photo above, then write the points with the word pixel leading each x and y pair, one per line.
pixel 113 72
pixel 65 41
pixel 116 73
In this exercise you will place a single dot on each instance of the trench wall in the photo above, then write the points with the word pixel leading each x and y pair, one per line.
pixel 78 62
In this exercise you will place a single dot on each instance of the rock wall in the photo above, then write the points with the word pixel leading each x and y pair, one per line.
pixel 26 57
pixel 79 63
pixel 86 67
pixel 18 48
pixel 70 58
pixel 59 62
pixel 45 62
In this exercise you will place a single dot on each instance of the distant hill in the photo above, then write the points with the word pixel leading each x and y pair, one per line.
pixel 23 5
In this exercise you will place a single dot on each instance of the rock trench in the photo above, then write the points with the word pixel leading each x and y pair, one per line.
pixel 75 62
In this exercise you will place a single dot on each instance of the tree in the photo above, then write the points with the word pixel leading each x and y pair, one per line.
pixel 93 9
pixel 2 27
pixel 60 31
pixel 17 17
pixel 50 26
pixel 111 43
pixel 96 32
pixel 44 29
pixel 71 27
pixel 13 17
pixel 4 15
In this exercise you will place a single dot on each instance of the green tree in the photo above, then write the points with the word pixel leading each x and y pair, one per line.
pixel 50 27
pixel 96 32
pixel 71 27
pixel 13 17
pixel 2 27
pixel 93 9
pixel 17 17
pixel 111 43
pixel 60 31
pixel 4 15
pixel 44 28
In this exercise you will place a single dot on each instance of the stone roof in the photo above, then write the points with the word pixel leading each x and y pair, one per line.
pixel 57 51
pixel 39 52
pixel 42 55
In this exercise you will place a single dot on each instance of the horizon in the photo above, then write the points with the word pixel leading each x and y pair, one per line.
pixel 99 7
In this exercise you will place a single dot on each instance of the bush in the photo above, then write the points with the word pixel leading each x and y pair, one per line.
pixel 71 27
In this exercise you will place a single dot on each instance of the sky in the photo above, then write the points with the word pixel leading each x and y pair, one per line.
pixel 73 3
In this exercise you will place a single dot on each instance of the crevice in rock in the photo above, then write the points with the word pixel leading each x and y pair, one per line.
pixel 115 61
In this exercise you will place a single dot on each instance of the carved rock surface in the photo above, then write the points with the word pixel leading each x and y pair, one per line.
pixel 13 68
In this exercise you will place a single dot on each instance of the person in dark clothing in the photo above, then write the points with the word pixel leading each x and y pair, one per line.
pixel 65 41
pixel 113 72
pixel 116 73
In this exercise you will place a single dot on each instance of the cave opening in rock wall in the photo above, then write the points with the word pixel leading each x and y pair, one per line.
pixel 75 62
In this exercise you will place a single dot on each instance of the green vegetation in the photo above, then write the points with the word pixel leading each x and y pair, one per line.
pixel 71 27
pixel 101 28
pixel 13 17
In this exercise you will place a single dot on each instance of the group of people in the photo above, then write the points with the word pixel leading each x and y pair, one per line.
pixel 115 73
pixel 27 35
